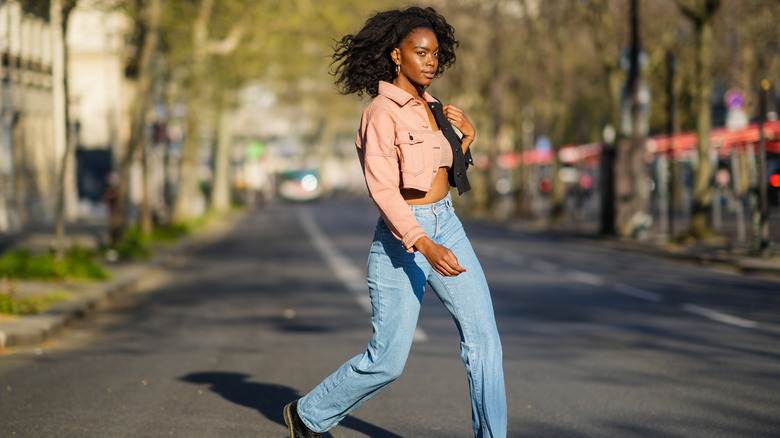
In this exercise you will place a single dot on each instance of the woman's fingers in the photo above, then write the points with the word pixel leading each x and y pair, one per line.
pixel 441 258
pixel 448 265
pixel 446 271
pixel 458 118
pixel 454 114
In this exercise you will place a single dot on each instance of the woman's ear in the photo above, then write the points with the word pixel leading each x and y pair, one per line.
pixel 396 56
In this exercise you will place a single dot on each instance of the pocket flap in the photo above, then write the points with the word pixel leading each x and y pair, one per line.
pixel 407 136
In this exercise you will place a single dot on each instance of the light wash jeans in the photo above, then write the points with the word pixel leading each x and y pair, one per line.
pixel 396 281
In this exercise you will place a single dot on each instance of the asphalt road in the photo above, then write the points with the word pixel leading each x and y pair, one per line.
pixel 598 343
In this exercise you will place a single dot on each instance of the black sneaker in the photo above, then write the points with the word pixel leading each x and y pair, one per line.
pixel 294 422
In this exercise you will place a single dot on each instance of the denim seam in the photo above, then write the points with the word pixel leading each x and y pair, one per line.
pixel 473 369
pixel 436 225
pixel 307 422
pixel 379 299
pixel 351 370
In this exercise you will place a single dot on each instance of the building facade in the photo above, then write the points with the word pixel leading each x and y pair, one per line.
pixel 99 98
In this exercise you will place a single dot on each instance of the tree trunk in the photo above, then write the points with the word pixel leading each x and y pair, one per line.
pixel 188 189
pixel 220 191
pixel 524 185
pixel 702 17
pixel 701 216
pixel 497 93
pixel 149 24
pixel 59 23
pixel 601 22
pixel 147 224
pixel 560 113
pixel 633 218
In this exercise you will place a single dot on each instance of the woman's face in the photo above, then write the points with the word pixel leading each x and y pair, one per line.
pixel 418 58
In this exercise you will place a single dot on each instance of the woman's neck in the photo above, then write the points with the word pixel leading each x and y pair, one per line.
pixel 418 91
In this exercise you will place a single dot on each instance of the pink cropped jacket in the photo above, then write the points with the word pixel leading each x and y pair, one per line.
pixel 398 149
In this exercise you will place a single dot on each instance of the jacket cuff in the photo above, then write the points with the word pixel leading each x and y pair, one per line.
pixel 411 238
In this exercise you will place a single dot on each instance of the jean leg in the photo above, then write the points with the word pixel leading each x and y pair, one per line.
pixel 467 298
pixel 396 284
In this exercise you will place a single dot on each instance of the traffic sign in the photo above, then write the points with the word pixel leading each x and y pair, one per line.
pixel 735 100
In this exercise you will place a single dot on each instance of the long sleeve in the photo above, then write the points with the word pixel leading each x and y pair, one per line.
pixel 379 158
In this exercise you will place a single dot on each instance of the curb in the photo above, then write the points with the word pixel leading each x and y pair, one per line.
pixel 741 265
pixel 35 329
pixel 131 278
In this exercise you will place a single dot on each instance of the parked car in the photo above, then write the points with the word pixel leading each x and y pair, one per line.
pixel 299 185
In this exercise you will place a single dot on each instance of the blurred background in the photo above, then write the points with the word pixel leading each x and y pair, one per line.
pixel 652 120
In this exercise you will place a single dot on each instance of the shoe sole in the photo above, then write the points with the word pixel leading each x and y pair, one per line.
pixel 288 419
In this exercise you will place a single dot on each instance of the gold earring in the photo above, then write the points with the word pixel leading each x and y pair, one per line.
pixel 397 68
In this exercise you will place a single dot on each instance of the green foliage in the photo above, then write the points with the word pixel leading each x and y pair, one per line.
pixel 170 233
pixel 8 305
pixel 13 305
pixel 136 245
pixel 78 263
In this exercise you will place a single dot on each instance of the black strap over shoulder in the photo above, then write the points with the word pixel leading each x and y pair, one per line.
pixel 460 161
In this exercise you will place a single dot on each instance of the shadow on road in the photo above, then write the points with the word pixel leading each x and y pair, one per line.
pixel 269 399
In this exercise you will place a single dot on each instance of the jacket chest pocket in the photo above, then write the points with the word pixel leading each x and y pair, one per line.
pixel 411 148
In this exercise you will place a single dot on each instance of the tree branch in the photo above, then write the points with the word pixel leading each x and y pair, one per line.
pixel 230 42
pixel 689 12
pixel 712 6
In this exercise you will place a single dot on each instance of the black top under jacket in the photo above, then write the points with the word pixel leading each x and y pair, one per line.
pixel 460 161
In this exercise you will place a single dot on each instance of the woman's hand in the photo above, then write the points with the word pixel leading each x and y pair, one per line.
pixel 440 258
pixel 458 119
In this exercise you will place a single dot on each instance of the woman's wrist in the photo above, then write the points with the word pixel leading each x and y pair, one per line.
pixel 423 243
pixel 466 141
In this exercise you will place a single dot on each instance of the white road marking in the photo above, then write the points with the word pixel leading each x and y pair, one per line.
pixel 517 259
pixel 637 293
pixel 353 278
pixel 491 251
pixel 585 277
pixel 542 266
pixel 624 289
pixel 341 266
pixel 718 316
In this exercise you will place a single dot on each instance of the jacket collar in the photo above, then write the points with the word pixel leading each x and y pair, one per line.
pixel 398 95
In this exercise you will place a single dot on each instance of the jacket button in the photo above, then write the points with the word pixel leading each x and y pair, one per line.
pixel 411 137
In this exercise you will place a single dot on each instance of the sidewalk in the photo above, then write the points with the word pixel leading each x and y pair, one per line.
pixel 723 253
pixel 86 297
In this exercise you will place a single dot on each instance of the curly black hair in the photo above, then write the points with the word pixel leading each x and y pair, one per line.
pixel 363 60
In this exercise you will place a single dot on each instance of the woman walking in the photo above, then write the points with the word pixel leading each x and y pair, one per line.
pixel 410 155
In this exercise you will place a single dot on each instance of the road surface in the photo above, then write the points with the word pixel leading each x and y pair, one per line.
pixel 598 342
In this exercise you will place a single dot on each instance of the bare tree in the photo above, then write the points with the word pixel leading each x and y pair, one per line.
pixel 203 46
pixel 602 26
pixel 59 13
pixel 702 13
pixel 147 24
pixel 220 190
pixel 632 175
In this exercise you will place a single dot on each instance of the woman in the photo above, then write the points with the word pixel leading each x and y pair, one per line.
pixel 410 156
